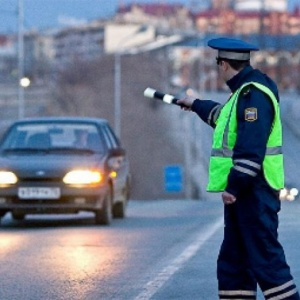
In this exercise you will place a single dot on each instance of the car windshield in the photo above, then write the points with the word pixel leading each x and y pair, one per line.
pixel 51 137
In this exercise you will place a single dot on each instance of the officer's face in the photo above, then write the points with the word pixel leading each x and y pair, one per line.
pixel 221 67
pixel 224 70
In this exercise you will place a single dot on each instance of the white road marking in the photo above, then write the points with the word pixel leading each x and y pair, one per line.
pixel 154 285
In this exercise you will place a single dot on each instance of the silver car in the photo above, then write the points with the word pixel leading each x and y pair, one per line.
pixel 63 165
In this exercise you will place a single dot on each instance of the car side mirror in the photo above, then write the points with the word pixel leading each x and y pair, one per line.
pixel 116 158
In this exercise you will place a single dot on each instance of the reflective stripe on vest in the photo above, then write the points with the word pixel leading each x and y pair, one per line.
pixel 225 138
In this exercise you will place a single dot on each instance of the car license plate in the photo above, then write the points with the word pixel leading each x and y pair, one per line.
pixel 39 193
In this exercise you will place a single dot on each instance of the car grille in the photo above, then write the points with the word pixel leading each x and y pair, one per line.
pixel 44 179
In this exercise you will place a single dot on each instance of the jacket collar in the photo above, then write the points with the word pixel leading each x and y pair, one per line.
pixel 236 81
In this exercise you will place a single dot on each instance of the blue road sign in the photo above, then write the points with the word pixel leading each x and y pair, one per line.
pixel 173 178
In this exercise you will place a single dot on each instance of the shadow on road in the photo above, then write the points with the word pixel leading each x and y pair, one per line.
pixel 49 221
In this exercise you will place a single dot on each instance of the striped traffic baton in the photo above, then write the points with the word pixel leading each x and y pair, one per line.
pixel 152 93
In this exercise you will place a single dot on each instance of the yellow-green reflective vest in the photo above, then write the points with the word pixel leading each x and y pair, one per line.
pixel 224 140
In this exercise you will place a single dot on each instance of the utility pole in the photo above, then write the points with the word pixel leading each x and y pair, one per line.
pixel 20 58
pixel 117 90
pixel 118 76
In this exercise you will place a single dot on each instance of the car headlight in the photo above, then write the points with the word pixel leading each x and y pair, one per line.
pixel 83 177
pixel 7 177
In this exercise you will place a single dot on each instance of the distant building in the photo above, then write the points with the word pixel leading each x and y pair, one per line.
pixel 7 47
pixel 293 21
pixel 8 54
pixel 275 28
pixel 121 37
pixel 222 17
pixel 159 14
pixel 221 4
pixel 260 5
pixel 84 42
pixel 244 22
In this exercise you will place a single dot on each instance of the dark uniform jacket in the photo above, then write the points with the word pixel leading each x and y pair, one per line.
pixel 252 136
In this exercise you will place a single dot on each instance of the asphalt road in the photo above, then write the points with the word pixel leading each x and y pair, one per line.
pixel 56 258
pixel 165 249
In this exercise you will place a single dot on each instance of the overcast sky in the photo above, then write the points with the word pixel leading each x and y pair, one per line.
pixel 45 14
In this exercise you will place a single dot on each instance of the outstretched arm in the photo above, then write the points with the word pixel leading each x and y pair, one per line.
pixel 207 110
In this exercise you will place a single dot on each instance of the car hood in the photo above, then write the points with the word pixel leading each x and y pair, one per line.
pixel 49 165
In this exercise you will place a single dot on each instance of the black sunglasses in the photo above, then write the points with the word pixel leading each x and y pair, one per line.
pixel 219 60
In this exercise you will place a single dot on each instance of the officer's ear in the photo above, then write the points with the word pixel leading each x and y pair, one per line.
pixel 225 65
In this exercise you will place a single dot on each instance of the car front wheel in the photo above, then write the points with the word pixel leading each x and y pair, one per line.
pixel 103 216
pixel 119 208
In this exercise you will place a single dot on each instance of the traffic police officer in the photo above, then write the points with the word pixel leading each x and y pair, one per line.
pixel 246 165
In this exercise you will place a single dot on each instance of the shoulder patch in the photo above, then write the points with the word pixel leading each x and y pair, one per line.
pixel 251 114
